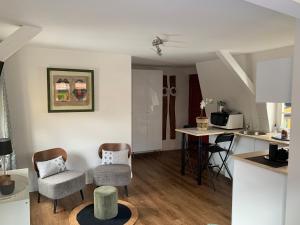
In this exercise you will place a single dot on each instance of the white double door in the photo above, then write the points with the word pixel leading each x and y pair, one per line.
pixel 146 110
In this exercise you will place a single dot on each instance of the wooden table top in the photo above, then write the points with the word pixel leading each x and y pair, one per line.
pixel 211 131
pixel 216 131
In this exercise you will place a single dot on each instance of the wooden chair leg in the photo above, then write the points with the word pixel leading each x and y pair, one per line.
pixel 82 196
pixel 126 190
pixel 39 197
pixel 55 205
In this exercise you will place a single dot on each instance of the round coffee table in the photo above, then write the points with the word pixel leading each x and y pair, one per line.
pixel 84 206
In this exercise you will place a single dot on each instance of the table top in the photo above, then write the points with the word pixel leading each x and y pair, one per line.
pixel 210 131
pixel 216 131
pixel 267 137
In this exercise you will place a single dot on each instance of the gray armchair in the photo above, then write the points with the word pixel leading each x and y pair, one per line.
pixel 59 185
pixel 113 174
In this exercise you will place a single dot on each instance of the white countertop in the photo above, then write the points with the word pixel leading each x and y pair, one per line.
pixel 266 137
pixel 216 131
pixel 211 131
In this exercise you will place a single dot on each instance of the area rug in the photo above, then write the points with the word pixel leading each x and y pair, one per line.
pixel 84 215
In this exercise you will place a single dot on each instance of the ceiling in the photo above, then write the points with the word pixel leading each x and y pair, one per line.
pixel 197 27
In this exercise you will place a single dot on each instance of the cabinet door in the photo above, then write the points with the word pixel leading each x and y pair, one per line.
pixel 243 145
pixel 240 145
pixel 154 110
pixel 139 115
pixel 274 80
pixel 15 212
pixel 259 195
pixel 261 145
pixel 146 110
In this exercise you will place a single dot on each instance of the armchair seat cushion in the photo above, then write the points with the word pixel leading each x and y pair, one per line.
pixel 62 184
pixel 112 175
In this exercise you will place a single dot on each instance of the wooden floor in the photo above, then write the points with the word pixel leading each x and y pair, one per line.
pixel 161 194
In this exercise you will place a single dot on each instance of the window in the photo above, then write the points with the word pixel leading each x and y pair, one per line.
pixel 285 111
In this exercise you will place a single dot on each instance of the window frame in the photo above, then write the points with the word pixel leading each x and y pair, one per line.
pixel 280 115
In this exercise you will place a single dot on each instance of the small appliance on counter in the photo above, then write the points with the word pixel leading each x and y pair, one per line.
pixel 221 106
pixel 282 136
pixel 276 154
pixel 226 120
pixel 277 157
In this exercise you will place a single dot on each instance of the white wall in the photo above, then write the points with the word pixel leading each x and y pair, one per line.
pixel 293 186
pixel 80 133
pixel 218 82
pixel 182 100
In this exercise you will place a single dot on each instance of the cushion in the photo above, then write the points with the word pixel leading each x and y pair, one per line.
pixel 50 167
pixel 62 184
pixel 114 157
pixel 105 202
pixel 113 175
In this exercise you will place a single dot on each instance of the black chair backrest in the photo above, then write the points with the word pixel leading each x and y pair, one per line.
pixel 227 137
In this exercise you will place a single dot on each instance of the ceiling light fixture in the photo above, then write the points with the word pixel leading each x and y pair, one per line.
pixel 157 41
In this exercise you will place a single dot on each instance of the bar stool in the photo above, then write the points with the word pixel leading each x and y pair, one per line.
pixel 216 148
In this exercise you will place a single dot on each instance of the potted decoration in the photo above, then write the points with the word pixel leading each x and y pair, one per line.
pixel 202 121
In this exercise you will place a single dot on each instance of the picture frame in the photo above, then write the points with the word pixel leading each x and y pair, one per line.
pixel 70 90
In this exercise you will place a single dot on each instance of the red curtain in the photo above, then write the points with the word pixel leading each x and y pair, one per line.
pixel 195 97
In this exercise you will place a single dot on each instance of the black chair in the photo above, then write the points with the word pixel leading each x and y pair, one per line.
pixel 216 148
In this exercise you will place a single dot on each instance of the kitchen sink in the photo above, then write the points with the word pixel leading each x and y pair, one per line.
pixel 251 132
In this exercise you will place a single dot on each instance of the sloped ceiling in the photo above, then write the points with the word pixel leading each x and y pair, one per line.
pixel 198 27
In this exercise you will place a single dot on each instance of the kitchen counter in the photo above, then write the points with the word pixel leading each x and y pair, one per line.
pixel 259 191
pixel 15 208
pixel 216 131
pixel 266 137
pixel 243 157
pixel 210 131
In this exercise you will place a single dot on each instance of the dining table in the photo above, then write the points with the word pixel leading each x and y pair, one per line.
pixel 194 131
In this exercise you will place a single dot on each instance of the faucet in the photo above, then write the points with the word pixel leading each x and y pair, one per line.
pixel 247 127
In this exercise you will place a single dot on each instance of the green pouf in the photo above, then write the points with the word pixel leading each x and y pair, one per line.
pixel 105 202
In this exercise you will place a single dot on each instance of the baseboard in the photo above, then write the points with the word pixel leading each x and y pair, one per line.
pixel 155 151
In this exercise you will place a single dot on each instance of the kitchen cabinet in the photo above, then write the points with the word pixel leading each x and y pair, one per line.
pixel 146 110
pixel 274 80
pixel 259 194
pixel 240 145
pixel 261 145
pixel 15 209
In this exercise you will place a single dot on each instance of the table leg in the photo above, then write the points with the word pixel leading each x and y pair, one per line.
pixel 199 169
pixel 183 149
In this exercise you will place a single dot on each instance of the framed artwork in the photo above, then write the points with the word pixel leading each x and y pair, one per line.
pixel 70 90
